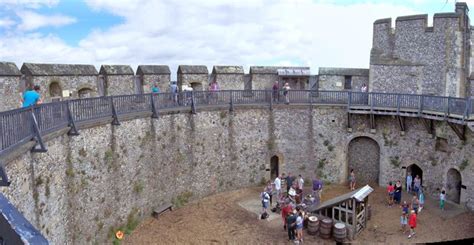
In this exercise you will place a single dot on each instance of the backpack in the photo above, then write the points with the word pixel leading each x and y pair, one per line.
pixel 264 215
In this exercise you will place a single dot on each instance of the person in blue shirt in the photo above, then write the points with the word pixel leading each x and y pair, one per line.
pixel 155 88
pixel 32 97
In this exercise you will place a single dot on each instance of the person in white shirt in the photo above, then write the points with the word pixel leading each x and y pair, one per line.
pixel 300 182
pixel 277 184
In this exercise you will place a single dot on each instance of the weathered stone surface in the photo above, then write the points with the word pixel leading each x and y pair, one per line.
pixel 11 94
pixel 33 69
pixel 86 185
pixel 9 69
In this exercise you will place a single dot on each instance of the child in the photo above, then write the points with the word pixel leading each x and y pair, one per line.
pixel 404 222
pixel 412 223
pixel 421 199
pixel 391 192
pixel 265 201
pixel 405 207
pixel 442 198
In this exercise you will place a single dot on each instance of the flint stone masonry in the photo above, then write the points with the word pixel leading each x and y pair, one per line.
pixel 117 79
pixel 229 77
pixel 88 184
pixel 334 78
pixel 440 50
pixel 150 74
pixel 195 76
pixel 9 85
pixel 54 79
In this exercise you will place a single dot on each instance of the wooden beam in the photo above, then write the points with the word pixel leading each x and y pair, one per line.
pixel 349 122
pixel 401 123
pixel 428 123
pixel 460 130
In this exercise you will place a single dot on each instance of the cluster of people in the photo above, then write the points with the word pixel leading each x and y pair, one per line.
pixel 285 91
pixel 290 202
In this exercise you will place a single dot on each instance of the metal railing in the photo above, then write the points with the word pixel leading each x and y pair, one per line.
pixel 22 125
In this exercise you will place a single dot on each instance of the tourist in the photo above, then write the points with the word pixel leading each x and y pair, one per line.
pixel 275 89
pixel 442 198
pixel 398 192
pixel 421 199
pixel 415 204
pixel 404 222
pixel 214 88
pixel 277 185
pixel 391 193
pixel 300 183
pixel 31 97
pixel 405 207
pixel 155 88
pixel 285 211
pixel 174 92
pixel 299 227
pixel 412 223
pixel 409 182
pixel 317 189
pixel 269 191
pixel 265 201
pixel 352 180
pixel 286 90
pixel 290 225
pixel 363 89
pixel 289 182
pixel 417 184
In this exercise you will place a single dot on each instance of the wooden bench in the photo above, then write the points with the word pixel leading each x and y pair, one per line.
pixel 163 208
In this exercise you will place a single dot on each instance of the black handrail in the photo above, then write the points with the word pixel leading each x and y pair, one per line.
pixel 17 127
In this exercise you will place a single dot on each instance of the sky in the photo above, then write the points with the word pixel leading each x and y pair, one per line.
pixel 314 33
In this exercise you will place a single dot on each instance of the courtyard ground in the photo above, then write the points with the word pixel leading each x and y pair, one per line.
pixel 222 219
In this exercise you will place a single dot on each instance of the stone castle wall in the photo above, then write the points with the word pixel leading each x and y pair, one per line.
pixel 430 59
pixel 148 80
pixel 11 93
pixel 86 185
pixel 119 84
pixel 71 83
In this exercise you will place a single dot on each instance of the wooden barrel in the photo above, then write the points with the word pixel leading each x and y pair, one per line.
pixel 325 228
pixel 340 232
pixel 313 225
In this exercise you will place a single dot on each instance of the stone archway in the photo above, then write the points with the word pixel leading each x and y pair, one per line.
pixel 55 89
pixel 415 170
pixel 274 167
pixel 453 185
pixel 364 158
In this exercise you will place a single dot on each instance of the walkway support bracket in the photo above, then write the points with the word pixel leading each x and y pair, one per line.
pixel 3 174
pixel 153 107
pixel 73 130
pixel 428 123
pixel 459 130
pixel 401 123
pixel 115 120
pixel 39 146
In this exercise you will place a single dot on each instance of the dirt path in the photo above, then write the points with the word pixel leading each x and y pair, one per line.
pixel 220 220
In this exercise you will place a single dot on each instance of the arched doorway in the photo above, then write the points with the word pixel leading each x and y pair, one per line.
pixel 274 167
pixel 196 86
pixel 453 185
pixel 414 170
pixel 55 90
pixel 364 158
pixel 85 93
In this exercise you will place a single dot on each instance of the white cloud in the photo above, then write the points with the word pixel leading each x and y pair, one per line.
pixel 29 3
pixel 6 23
pixel 32 21
pixel 260 32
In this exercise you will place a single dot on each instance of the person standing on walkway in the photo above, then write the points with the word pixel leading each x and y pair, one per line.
pixel 155 89
pixel 300 183
pixel 398 192
pixel 269 191
pixel 317 189
pixel 299 227
pixel 289 182
pixel 291 225
pixel 286 90
pixel 391 193
pixel 421 199
pixel 417 184
pixel 276 88
pixel 409 182
pixel 32 97
pixel 415 204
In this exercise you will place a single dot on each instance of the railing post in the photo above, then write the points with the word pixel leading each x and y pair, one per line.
pixel 193 105
pixel 271 101
pixel 115 120
pixel 468 109
pixel 231 100
pixel 349 100
pixel 37 134
pixel 420 106
pixel 446 109
pixel 398 104
pixel 154 112
pixel 311 97
pixel 73 131
pixel 371 97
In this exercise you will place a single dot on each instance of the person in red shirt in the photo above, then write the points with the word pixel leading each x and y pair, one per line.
pixel 287 209
pixel 412 223
pixel 390 192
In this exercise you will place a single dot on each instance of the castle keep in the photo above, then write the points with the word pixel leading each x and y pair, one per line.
pixel 151 149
